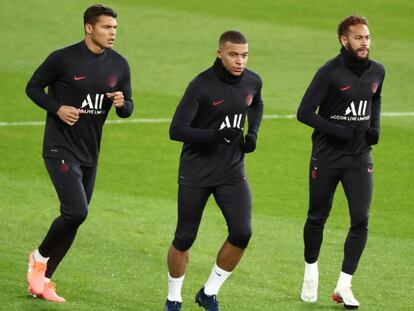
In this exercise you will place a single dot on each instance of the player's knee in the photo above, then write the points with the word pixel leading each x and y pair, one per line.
pixel 240 238
pixel 359 221
pixel 76 218
pixel 184 242
pixel 79 218
pixel 316 221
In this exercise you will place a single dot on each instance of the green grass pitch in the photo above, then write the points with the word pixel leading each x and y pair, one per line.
pixel 118 261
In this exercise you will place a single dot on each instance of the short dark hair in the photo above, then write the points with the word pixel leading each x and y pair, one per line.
pixel 232 36
pixel 352 20
pixel 92 13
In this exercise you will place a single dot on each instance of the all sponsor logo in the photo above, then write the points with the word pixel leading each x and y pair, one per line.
pixel 362 108
pixel 354 112
pixel 93 107
pixel 232 121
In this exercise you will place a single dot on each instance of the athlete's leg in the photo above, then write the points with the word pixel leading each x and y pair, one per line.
pixel 358 185
pixel 191 203
pixel 235 202
pixel 67 180
pixel 322 185
pixel 88 182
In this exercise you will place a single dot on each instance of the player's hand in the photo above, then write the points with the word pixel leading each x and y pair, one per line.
pixel 372 136
pixel 68 114
pixel 228 135
pixel 117 98
pixel 249 144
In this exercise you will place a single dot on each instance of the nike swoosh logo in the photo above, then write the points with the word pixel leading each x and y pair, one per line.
pixel 217 273
pixel 344 88
pixel 218 102
pixel 76 78
pixel 227 140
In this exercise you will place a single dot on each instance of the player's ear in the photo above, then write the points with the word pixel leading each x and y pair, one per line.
pixel 343 39
pixel 218 52
pixel 88 28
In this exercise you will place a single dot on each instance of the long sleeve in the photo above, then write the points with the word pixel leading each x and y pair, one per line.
pixel 376 109
pixel 313 97
pixel 255 113
pixel 181 129
pixel 128 108
pixel 46 74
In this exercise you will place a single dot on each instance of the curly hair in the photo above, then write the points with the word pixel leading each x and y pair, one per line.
pixel 352 20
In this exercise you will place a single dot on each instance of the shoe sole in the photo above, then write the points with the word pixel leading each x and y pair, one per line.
pixel 308 300
pixel 32 291
pixel 338 299
pixel 197 301
pixel 32 294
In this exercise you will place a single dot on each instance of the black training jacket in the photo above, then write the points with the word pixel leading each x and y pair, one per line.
pixel 215 99
pixel 341 103
pixel 75 76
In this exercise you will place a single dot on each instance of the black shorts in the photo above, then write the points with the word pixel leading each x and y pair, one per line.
pixel 235 203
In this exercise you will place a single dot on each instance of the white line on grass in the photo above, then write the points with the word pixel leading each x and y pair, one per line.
pixel 164 120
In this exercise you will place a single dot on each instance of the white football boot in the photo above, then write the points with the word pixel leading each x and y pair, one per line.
pixel 310 283
pixel 344 295
pixel 309 290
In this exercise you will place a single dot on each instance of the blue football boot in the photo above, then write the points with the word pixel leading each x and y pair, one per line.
pixel 172 306
pixel 209 303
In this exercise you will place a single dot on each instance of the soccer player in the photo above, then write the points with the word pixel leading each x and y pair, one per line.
pixel 346 92
pixel 84 80
pixel 209 120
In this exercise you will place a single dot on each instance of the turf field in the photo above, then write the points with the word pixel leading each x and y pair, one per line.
pixel 118 261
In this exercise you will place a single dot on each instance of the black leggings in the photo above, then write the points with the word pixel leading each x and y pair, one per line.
pixel 357 184
pixel 234 202
pixel 74 186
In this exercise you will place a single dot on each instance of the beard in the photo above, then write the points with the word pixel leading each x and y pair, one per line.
pixel 354 52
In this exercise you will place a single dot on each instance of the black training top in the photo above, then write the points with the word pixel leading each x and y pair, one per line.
pixel 75 76
pixel 348 94
pixel 214 100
